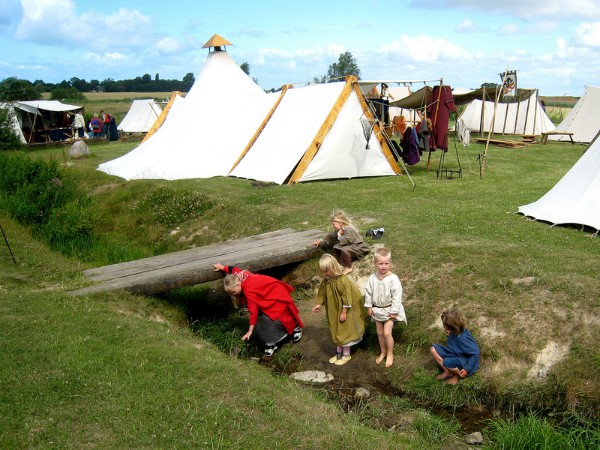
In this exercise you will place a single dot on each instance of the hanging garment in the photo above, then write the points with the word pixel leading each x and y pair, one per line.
pixel 441 104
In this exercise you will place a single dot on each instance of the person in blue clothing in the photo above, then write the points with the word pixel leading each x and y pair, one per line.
pixel 460 357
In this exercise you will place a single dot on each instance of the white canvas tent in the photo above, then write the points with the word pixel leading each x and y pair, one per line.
pixel 316 128
pixel 525 116
pixel 314 134
pixel 575 199
pixel 44 120
pixel 201 138
pixel 583 120
pixel 14 122
pixel 141 116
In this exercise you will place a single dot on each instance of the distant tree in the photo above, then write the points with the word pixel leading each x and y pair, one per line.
pixel 94 85
pixel 12 89
pixel 146 78
pixel 156 78
pixel 490 85
pixel 188 81
pixel 346 65
pixel 66 93
pixel 80 84
pixel 245 67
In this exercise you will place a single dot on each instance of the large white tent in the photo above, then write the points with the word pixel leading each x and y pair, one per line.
pixel 203 138
pixel 300 134
pixel 141 116
pixel 575 199
pixel 525 116
pixel 316 133
pixel 583 120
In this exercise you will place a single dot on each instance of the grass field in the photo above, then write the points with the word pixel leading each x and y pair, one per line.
pixel 124 371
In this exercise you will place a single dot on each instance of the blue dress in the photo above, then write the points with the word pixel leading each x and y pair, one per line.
pixel 461 352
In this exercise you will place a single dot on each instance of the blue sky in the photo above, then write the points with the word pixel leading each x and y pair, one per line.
pixel 553 44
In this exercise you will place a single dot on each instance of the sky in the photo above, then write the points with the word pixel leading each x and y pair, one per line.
pixel 554 45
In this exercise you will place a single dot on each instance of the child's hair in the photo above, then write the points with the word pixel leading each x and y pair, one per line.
pixel 382 252
pixel 229 282
pixel 453 320
pixel 341 217
pixel 328 264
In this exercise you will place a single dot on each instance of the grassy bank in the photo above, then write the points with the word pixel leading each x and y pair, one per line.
pixel 125 371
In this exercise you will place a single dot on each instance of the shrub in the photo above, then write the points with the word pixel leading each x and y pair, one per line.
pixel 167 206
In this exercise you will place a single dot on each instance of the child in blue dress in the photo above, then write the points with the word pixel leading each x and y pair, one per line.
pixel 460 357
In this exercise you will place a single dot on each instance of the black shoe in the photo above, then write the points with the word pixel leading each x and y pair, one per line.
pixel 297 335
pixel 270 349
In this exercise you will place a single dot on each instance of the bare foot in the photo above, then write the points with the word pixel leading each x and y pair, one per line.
pixel 453 380
pixel 389 360
pixel 380 358
pixel 442 376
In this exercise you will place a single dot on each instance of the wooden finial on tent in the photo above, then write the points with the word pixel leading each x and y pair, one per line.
pixel 216 42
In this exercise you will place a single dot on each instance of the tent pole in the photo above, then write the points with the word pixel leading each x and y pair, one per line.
pixel 487 142
pixel 8 245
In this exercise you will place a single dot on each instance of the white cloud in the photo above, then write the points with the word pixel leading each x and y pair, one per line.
pixel 57 22
pixel 467 26
pixel 426 49
pixel 529 9
pixel 588 34
pixel 168 45
pixel 509 28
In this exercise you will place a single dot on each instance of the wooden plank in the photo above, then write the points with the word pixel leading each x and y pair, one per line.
pixel 165 272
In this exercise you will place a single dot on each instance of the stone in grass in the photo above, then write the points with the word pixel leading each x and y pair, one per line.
pixel 474 438
pixel 79 150
pixel 312 377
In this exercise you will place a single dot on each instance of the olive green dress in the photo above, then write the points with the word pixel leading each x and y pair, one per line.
pixel 334 293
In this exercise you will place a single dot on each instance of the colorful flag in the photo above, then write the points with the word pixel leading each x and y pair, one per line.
pixel 509 89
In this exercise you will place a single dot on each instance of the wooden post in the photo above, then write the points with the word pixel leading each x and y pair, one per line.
pixel 487 142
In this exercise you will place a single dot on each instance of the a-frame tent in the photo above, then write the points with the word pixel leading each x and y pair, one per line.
pixel 141 116
pixel 583 120
pixel 575 199
pixel 202 139
pixel 316 132
pixel 523 115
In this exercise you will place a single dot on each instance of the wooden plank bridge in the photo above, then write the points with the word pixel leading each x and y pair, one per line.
pixel 194 266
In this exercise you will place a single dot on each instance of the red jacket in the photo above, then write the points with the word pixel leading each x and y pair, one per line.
pixel 269 295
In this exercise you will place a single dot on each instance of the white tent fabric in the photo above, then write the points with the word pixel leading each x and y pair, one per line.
pixel 141 116
pixel 583 120
pixel 14 122
pixel 293 127
pixel 34 106
pixel 202 139
pixel 575 199
pixel 524 117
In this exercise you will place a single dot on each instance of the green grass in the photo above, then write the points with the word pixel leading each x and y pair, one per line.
pixel 123 371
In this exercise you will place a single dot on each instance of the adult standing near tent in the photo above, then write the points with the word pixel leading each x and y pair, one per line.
pixel 79 124
pixel 105 117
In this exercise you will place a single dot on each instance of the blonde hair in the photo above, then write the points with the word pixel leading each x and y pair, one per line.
pixel 329 265
pixel 453 320
pixel 341 217
pixel 382 252
pixel 229 282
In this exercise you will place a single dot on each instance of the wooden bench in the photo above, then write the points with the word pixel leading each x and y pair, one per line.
pixel 545 135
pixel 194 266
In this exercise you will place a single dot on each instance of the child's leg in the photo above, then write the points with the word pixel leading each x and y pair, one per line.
pixel 346 351
pixel 389 342
pixel 382 343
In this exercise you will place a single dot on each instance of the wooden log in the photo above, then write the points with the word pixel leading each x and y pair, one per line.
pixel 190 267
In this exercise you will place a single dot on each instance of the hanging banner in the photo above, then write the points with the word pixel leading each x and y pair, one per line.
pixel 509 89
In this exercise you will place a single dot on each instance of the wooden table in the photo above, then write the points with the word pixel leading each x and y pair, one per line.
pixel 556 133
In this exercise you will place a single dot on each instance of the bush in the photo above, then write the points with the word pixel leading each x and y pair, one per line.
pixel 168 207
pixel 35 194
